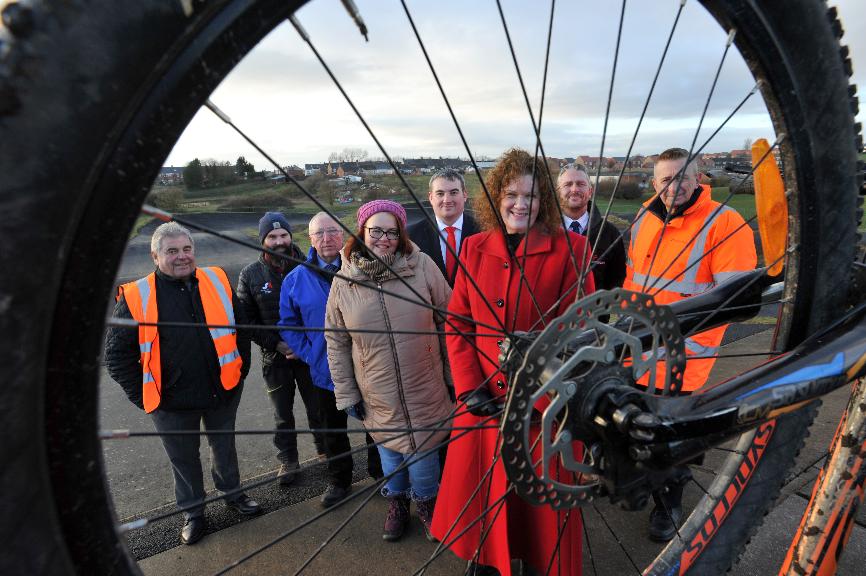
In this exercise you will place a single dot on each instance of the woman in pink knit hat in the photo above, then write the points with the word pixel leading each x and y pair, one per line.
pixel 394 375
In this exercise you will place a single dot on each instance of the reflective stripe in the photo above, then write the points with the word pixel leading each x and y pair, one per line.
pixel 228 358
pixel 147 378
pixel 145 347
pixel 635 230
pixel 144 291
pixel 720 277
pixel 674 286
pixel 220 332
pixel 697 253
pixel 226 302
pixel 660 353
pixel 700 349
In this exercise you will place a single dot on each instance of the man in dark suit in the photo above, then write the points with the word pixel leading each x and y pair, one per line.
pixel 447 195
pixel 578 214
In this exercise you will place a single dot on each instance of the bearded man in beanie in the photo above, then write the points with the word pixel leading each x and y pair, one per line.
pixel 259 286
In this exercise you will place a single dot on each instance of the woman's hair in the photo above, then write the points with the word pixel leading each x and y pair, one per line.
pixel 513 164
pixel 404 243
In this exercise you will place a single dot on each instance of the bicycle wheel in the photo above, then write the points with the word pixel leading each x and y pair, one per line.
pixel 100 91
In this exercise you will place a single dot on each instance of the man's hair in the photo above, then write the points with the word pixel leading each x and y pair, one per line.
pixel 318 216
pixel 574 166
pixel 447 174
pixel 679 154
pixel 168 230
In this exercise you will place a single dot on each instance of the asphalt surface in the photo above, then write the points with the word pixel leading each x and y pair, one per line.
pixel 140 479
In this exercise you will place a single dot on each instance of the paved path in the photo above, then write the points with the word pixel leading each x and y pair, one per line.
pixel 358 549
pixel 141 482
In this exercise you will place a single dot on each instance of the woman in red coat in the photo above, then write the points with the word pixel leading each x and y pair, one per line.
pixel 510 528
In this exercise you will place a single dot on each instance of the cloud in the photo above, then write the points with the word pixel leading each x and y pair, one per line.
pixel 286 101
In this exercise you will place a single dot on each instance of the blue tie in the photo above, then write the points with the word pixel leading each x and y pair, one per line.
pixel 575 227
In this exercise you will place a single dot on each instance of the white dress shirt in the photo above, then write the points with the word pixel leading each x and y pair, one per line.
pixel 458 235
pixel 583 221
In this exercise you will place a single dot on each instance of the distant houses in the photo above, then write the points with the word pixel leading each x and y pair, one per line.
pixel 636 167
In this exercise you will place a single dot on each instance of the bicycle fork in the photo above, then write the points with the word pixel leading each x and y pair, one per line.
pixel 838 493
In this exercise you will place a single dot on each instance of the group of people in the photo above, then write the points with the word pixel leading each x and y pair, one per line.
pixel 400 327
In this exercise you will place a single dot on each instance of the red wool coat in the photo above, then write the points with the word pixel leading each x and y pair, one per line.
pixel 519 530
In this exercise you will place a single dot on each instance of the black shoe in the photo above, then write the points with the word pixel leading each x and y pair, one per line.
pixel 334 494
pixel 193 529
pixel 475 569
pixel 288 473
pixel 667 514
pixel 245 505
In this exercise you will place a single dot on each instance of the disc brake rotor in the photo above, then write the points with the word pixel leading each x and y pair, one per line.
pixel 541 456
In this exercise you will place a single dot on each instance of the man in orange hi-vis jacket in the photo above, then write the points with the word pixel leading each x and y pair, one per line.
pixel 683 243
pixel 183 375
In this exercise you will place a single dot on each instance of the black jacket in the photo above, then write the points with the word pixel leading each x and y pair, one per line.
pixel 426 236
pixel 608 268
pixel 190 371
pixel 259 293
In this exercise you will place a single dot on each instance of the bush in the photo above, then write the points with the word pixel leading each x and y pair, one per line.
pixel 258 202
pixel 720 181
pixel 168 200
pixel 627 190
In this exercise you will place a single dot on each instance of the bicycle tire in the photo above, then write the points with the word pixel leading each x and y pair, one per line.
pixel 75 60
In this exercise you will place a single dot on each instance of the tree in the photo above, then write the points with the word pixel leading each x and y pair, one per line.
pixel 244 169
pixel 747 144
pixel 218 173
pixel 193 175
pixel 348 155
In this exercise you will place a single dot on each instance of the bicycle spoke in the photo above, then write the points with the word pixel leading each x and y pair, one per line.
pixel 537 131
pixel 588 543
pixel 487 194
pixel 638 127
pixel 615 537
pixel 709 221
pixel 678 181
pixel 699 485
pixel 604 129
pixel 306 38
pixel 145 521
pixel 115 322
pixel 304 524
pixel 561 531
pixel 419 302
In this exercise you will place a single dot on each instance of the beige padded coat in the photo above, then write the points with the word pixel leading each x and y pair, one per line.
pixel 400 377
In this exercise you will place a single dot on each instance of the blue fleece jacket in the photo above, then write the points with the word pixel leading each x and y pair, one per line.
pixel 302 303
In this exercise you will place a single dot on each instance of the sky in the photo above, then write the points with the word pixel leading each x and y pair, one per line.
pixel 282 97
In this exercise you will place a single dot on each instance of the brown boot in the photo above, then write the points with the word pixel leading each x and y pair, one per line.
pixel 397 518
pixel 425 514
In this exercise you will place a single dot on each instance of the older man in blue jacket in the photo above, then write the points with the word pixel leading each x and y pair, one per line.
pixel 303 298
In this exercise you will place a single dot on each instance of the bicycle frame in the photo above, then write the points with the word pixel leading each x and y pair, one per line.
pixel 690 425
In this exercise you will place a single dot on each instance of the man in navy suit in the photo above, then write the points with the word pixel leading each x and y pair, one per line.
pixel 447 195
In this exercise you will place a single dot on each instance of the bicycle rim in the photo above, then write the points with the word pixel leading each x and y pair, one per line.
pixel 131 126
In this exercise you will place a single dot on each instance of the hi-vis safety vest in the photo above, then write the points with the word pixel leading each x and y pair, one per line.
pixel 216 298
pixel 699 250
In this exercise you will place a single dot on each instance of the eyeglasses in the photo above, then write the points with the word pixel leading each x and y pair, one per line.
pixel 329 232
pixel 377 233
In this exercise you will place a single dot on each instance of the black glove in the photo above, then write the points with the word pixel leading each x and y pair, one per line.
pixel 480 402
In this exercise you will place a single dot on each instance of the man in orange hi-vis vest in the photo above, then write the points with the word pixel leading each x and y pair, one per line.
pixel 183 375
pixel 683 243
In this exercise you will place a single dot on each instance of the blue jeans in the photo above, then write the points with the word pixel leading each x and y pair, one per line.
pixel 419 480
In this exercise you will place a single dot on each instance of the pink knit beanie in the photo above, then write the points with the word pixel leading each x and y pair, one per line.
pixel 376 206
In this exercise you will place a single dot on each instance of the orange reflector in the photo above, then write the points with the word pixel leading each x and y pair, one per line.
pixel 771 205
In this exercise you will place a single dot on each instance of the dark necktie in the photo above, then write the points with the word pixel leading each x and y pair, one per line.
pixel 450 259
pixel 575 227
